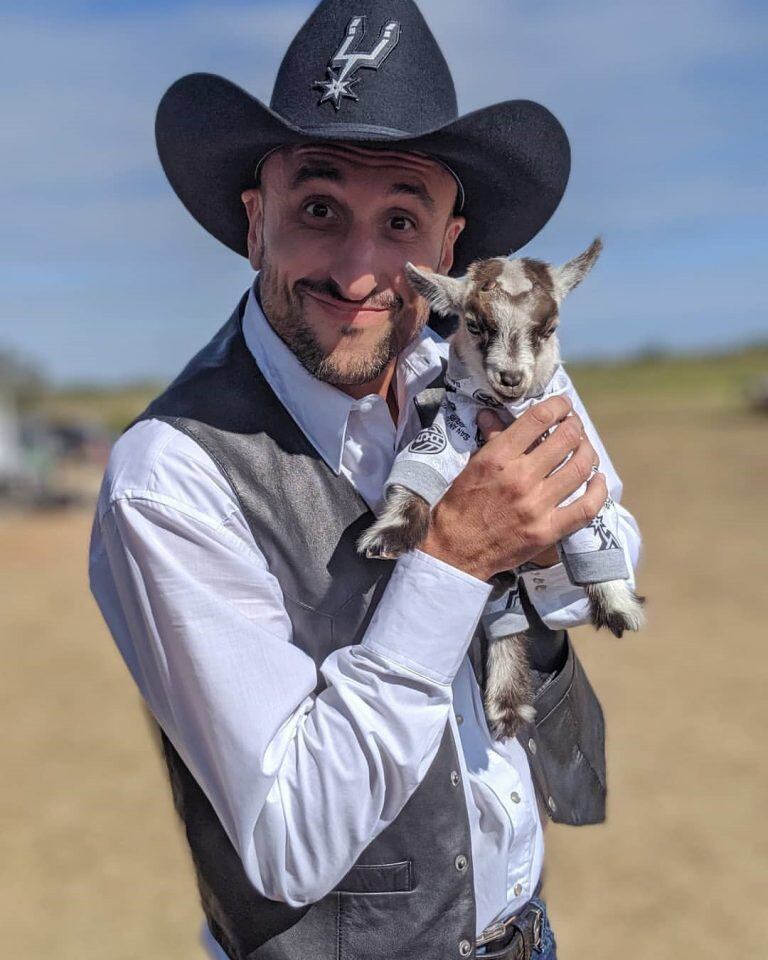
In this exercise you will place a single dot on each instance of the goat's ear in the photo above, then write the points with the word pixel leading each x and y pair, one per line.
pixel 570 274
pixel 444 294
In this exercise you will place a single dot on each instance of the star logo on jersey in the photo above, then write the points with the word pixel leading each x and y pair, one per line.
pixel 344 64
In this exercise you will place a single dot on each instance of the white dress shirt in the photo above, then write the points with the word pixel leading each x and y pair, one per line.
pixel 303 783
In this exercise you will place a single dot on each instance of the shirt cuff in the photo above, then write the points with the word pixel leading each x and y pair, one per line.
pixel 427 616
pixel 558 602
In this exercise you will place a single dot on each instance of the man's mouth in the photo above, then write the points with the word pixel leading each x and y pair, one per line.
pixel 347 312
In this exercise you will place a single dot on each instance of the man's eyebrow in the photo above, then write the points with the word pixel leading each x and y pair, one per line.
pixel 417 190
pixel 326 171
pixel 316 171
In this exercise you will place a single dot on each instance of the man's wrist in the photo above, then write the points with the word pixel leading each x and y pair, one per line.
pixel 435 546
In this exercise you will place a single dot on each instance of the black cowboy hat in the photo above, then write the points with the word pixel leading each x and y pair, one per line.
pixel 372 73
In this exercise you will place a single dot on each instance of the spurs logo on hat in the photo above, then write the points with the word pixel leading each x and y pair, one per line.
pixel 338 86
pixel 428 440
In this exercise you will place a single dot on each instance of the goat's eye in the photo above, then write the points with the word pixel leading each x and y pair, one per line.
pixel 472 325
pixel 546 334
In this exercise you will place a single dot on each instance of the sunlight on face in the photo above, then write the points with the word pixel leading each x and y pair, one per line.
pixel 330 229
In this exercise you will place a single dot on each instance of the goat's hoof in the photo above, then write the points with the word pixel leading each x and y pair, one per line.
pixel 384 544
pixel 615 605
pixel 507 724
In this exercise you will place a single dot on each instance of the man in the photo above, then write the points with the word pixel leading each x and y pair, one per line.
pixel 320 713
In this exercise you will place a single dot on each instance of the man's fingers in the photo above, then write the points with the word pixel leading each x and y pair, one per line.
pixel 490 424
pixel 555 447
pixel 534 422
pixel 572 474
pixel 584 509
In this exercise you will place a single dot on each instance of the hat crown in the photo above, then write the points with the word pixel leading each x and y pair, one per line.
pixel 365 64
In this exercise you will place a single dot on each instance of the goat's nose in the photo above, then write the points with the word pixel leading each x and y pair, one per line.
pixel 510 378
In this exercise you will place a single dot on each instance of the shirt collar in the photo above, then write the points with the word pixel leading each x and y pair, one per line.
pixel 320 409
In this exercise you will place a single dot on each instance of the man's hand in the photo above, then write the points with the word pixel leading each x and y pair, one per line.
pixel 503 508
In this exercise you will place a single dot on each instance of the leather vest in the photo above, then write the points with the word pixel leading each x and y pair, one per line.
pixel 407 895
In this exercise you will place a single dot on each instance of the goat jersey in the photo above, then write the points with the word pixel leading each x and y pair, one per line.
pixel 432 460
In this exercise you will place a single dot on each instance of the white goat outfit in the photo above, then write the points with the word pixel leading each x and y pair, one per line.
pixel 432 460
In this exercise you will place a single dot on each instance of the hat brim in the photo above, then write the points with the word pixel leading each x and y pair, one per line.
pixel 513 159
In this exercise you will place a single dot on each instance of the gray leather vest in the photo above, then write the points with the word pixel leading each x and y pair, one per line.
pixel 407 895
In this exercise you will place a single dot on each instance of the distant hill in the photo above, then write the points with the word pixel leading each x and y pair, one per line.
pixel 653 379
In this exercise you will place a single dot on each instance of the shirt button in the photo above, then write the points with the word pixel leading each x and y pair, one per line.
pixel 532 745
pixel 459 719
pixel 517 889
pixel 465 948
pixel 514 796
pixel 461 863
pixel 455 777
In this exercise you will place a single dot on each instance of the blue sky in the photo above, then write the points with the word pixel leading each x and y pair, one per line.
pixel 104 276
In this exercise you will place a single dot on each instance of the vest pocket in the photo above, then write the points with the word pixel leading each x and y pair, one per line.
pixel 377 878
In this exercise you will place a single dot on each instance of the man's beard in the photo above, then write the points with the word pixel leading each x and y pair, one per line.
pixel 284 308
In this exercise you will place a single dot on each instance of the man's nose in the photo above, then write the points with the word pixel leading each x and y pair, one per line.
pixel 354 268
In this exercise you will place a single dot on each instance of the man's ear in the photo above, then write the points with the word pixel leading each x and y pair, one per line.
pixel 454 228
pixel 570 274
pixel 254 208
pixel 444 294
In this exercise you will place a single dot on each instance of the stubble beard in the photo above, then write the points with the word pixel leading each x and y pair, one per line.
pixel 284 309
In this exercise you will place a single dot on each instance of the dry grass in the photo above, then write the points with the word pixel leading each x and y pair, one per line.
pixel 94 862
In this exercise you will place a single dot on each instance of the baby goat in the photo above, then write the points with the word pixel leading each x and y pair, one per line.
pixel 505 355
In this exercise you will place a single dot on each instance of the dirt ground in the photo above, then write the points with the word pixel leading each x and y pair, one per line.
pixel 92 857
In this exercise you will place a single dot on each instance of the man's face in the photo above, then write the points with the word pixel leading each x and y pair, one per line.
pixel 330 228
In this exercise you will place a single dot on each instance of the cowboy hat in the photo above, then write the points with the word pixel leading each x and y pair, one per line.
pixel 372 73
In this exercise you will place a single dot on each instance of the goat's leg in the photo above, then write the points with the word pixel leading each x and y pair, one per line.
pixel 508 687
pixel 401 527
pixel 614 604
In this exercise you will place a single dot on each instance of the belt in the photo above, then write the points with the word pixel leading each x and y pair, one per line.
pixel 515 937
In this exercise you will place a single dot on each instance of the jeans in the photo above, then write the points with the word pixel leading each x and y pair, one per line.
pixel 548 946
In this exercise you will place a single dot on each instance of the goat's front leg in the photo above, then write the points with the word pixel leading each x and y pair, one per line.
pixel 401 527
pixel 508 686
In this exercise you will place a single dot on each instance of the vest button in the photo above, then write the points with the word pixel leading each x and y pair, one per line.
pixel 551 804
pixel 461 863
pixel 455 777
pixel 532 745
pixel 465 948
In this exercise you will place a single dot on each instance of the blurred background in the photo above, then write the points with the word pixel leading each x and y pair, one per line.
pixel 107 286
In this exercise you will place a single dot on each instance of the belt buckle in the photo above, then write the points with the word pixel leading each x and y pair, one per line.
pixel 496 931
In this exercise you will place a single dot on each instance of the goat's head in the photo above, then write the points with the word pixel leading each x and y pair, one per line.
pixel 509 311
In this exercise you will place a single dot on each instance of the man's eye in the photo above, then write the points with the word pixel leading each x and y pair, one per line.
pixel 318 210
pixel 401 223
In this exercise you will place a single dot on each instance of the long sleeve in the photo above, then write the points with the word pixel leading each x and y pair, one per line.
pixel 559 603
pixel 301 782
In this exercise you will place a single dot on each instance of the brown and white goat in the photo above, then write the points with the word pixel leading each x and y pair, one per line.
pixel 506 343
